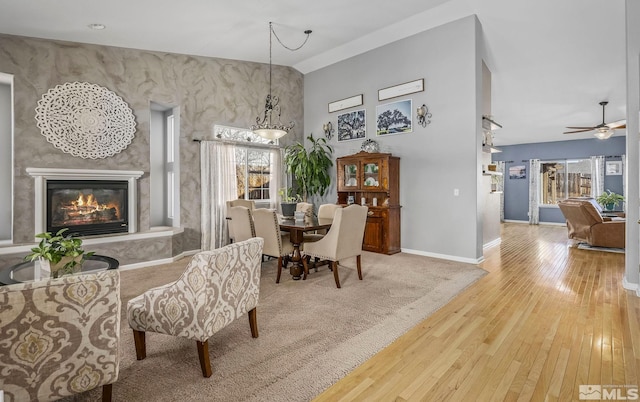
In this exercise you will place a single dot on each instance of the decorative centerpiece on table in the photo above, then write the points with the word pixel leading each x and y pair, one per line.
pixel 288 201
pixel 59 254
pixel 609 200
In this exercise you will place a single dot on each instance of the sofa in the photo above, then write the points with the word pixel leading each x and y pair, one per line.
pixel 585 223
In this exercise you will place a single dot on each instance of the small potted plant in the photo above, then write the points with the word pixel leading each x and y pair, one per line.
pixel 288 201
pixel 60 254
pixel 609 200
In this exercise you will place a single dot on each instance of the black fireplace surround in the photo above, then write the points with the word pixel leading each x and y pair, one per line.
pixel 87 207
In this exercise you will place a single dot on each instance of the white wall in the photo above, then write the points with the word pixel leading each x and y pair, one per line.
pixel 632 259
pixel 434 160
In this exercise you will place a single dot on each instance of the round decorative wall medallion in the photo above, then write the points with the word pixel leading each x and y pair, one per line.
pixel 85 120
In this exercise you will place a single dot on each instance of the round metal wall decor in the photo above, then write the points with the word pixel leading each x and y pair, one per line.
pixel 85 120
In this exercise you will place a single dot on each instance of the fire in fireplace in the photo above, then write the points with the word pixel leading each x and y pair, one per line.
pixel 87 207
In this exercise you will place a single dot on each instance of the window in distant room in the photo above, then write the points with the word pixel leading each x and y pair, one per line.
pixel 562 179
pixel 255 166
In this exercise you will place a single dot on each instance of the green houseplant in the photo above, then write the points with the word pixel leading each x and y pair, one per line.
pixel 63 253
pixel 609 200
pixel 310 167
pixel 288 200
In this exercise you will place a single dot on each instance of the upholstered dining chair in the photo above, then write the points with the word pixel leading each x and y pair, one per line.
pixel 251 204
pixel 216 288
pixel 60 337
pixel 325 211
pixel 240 221
pixel 305 207
pixel 276 244
pixel 343 240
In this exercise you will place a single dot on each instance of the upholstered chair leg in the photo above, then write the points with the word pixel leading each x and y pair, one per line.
pixel 334 265
pixel 203 355
pixel 359 267
pixel 253 322
pixel 141 346
pixel 106 392
pixel 279 269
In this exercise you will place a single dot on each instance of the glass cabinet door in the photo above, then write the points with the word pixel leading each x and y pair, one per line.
pixel 351 175
pixel 371 178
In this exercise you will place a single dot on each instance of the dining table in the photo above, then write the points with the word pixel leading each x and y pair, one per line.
pixel 297 229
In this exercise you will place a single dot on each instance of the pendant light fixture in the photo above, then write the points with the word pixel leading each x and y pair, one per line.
pixel 268 124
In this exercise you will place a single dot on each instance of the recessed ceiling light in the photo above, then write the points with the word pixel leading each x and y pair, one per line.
pixel 97 27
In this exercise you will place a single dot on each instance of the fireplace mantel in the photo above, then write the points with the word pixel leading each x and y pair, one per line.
pixel 41 176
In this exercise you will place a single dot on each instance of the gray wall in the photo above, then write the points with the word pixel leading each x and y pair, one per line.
pixel 434 160
pixel 5 161
pixel 208 90
pixel 516 191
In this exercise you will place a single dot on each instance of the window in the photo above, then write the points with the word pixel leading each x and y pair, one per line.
pixel 562 179
pixel 255 165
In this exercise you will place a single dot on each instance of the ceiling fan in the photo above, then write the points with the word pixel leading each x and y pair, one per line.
pixel 603 130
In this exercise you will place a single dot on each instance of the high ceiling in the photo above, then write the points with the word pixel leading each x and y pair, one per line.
pixel 551 61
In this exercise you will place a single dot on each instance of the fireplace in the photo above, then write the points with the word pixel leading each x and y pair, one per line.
pixel 88 202
pixel 87 207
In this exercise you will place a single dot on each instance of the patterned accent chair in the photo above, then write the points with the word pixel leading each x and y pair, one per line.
pixel 343 240
pixel 276 243
pixel 216 288
pixel 60 337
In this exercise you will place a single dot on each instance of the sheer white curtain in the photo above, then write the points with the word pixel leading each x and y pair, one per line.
pixel 500 167
pixel 597 175
pixel 275 181
pixel 534 191
pixel 218 185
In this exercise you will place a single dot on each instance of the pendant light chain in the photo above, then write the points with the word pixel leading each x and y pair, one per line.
pixel 308 32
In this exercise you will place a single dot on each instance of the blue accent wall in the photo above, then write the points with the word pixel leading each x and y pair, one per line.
pixel 516 191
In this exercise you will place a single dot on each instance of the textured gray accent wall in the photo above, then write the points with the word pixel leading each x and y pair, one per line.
pixel 208 90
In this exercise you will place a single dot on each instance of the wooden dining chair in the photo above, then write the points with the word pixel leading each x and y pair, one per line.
pixel 344 240
pixel 276 243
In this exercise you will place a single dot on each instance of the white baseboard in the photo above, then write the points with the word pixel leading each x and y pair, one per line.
pixel 157 262
pixel 444 256
pixel 492 243
pixel 630 286
pixel 539 223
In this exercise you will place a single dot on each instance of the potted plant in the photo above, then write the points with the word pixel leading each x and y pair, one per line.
pixel 609 200
pixel 288 201
pixel 310 167
pixel 60 254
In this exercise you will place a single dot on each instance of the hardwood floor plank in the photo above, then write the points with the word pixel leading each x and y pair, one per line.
pixel 547 318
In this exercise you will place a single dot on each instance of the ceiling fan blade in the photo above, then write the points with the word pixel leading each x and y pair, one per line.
pixel 577 131
pixel 583 128
pixel 617 124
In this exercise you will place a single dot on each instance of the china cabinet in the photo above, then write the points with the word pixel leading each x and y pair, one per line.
pixel 373 179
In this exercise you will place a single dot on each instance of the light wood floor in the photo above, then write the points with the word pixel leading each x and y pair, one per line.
pixel 547 318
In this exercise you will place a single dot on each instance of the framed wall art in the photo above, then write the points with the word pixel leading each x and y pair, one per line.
pixel 346 103
pixel 613 168
pixel 394 118
pixel 352 125
pixel 401 89
pixel 518 172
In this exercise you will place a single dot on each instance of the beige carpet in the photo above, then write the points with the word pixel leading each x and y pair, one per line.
pixel 311 333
